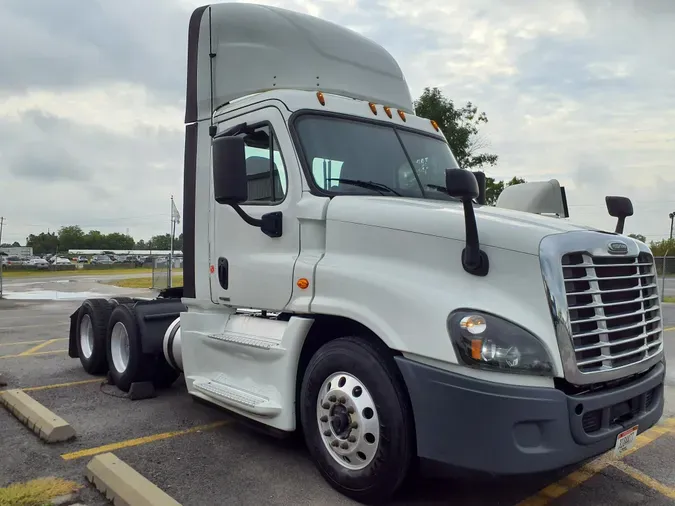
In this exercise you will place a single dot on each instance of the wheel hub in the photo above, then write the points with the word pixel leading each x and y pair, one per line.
pixel 86 336
pixel 119 347
pixel 348 421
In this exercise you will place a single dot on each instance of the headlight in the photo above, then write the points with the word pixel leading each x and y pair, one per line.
pixel 488 342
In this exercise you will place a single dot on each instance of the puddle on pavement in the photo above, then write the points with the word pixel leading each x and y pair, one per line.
pixel 50 295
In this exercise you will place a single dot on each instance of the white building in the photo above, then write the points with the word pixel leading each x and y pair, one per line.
pixel 17 251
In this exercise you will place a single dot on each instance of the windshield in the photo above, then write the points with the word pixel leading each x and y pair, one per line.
pixel 351 156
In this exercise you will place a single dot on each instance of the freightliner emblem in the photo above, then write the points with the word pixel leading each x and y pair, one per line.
pixel 617 248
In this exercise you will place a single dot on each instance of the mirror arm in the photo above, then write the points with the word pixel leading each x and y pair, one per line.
pixel 248 219
pixel 620 224
pixel 271 224
pixel 474 260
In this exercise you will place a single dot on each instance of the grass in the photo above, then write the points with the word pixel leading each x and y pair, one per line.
pixel 36 492
pixel 78 272
pixel 176 280
pixel 669 299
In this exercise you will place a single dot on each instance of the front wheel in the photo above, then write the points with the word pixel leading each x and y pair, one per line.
pixel 357 419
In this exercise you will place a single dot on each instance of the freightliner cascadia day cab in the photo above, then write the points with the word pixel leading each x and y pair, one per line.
pixel 343 277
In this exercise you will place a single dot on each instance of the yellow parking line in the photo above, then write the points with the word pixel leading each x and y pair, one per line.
pixel 139 441
pixel 38 347
pixel 21 355
pixel 17 343
pixel 645 480
pixel 62 385
pixel 669 329
pixel 546 495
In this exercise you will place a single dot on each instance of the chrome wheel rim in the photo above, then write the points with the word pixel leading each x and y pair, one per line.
pixel 348 421
pixel 86 336
pixel 119 347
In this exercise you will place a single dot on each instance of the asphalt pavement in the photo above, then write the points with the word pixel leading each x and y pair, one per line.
pixel 202 457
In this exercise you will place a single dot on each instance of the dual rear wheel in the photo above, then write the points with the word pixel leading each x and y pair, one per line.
pixel 108 340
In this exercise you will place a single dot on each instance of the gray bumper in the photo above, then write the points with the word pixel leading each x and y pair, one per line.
pixel 505 429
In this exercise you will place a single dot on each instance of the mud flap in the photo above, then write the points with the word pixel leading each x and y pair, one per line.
pixel 72 342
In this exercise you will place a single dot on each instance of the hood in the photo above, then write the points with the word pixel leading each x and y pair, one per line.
pixel 497 227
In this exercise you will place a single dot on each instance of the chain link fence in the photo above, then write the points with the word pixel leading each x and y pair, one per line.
pixel 665 266
pixel 160 273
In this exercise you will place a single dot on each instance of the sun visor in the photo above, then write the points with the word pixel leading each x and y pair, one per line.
pixel 539 197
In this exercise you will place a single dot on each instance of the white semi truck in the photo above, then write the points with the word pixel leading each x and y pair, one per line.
pixel 343 277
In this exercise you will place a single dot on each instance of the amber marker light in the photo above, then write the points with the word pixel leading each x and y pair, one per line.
pixel 303 283
pixel 373 108
pixel 435 125
pixel 401 114
pixel 387 110
pixel 321 98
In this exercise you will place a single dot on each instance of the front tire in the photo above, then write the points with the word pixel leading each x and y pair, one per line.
pixel 357 420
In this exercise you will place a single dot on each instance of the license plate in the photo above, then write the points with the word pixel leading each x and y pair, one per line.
pixel 625 441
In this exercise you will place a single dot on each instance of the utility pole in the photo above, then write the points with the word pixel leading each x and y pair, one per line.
pixel 672 218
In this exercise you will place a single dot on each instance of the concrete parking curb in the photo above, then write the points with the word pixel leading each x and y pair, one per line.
pixel 122 484
pixel 47 425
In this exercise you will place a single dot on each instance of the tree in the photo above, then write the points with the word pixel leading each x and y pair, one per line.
pixel 162 242
pixel 43 243
pixel 639 237
pixel 663 247
pixel 460 127
pixel 494 188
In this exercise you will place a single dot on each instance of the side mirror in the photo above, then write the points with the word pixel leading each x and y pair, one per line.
pixel 621 208
pixel 462 184
pixel 482 187
pixel 229 170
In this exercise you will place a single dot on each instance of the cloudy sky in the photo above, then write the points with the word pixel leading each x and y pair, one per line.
pixel 92 97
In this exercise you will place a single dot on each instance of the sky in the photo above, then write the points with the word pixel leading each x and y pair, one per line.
pixel 92 96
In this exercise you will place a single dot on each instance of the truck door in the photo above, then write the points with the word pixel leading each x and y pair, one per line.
pixel 248 268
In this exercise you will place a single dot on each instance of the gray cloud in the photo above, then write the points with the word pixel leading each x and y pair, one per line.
pixel 577 90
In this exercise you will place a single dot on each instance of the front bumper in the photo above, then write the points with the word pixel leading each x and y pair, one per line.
pixel 505 429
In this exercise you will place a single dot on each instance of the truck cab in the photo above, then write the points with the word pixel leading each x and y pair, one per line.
pixel 342 277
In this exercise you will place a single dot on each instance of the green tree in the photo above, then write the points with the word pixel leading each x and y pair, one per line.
pixel 459 125
pixel 494 188
pixel 639 237
pixel 161 241
pixel 71 237
pixel 663 247
pixel 43 243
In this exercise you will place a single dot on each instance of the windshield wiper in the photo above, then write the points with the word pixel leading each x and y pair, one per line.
pixel 371 185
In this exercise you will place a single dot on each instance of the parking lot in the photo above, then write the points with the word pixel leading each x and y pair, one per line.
pixel 200 456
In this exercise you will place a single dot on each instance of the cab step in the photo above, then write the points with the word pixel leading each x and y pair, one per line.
pixel 237 397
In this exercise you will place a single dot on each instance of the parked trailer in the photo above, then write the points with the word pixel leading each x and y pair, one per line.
pixel 343 278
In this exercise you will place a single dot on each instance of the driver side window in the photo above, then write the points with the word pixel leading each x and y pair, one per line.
pixel 265 169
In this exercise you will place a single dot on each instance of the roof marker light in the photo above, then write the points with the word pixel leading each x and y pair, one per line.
pixel 321 98
pixel 373 108
pixel 401 114
pixel 388 111
pixel 434 124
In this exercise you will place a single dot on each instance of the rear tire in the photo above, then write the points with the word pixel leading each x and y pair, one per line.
pixel 350 382
pixel 90 335
pixel 128 363
pixel 118 301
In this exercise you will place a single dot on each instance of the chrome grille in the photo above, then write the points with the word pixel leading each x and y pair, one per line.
pixel 614 310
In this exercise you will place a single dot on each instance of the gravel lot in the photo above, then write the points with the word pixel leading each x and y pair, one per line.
pixel 201 457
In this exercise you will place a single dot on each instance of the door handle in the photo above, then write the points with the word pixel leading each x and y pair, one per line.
pixel 223 272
